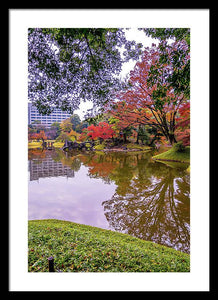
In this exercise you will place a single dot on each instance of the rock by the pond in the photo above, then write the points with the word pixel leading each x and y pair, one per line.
pixel 80 146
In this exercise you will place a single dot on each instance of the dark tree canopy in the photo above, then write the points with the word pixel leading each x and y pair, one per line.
pixel 70 65
pixel 167 33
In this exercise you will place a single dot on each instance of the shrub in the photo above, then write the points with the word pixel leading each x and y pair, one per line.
pixel 179 147
pixel 99 147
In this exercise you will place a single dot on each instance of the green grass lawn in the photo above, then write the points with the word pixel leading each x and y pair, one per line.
pixel 138 147
pixel 58 144
pixel 34 144
pixel 82 248
pixel 173 155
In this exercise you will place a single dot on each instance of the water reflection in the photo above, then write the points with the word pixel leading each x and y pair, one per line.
pixel 156 209
pixel 48 168
pixel 143 198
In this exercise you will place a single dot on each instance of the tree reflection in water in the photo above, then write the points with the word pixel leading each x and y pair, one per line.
pixel 157 211
pixel 152 200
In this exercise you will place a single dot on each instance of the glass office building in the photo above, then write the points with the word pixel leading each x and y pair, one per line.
pixel 56 116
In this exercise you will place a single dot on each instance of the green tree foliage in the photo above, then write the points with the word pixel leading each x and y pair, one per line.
pixel 68 65
pixel 179 79
pixel 75 120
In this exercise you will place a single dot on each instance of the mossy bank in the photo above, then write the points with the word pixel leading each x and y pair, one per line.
pixel 82 248
pixel 174 154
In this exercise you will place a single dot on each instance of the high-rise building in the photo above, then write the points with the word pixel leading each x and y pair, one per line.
pixel 56 116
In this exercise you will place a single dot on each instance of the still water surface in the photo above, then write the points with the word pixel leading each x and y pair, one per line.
pixel 125 192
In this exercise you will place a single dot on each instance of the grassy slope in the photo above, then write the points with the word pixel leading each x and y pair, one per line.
pixel 82 248
pixel 173 155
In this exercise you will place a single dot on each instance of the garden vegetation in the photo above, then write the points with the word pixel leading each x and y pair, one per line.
pixel 82 248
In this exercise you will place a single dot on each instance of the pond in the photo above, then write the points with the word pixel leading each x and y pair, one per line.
pixel 120 191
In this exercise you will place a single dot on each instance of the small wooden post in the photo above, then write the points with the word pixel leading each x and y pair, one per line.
pixel 51 264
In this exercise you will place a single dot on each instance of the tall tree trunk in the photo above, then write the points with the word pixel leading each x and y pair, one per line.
pixel 172 138
pixel 124 137
pixel 137 140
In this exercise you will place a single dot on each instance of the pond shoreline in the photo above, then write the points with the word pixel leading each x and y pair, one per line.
pixel 173 155
pixel 124 150
pixel 172 160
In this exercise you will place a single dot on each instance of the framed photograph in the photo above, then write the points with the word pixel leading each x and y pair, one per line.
pixel 106 188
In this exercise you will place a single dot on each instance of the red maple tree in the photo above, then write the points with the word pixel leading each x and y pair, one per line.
pixel 150 99
pixel 183 124
pixel 103 131
pixel 38 136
